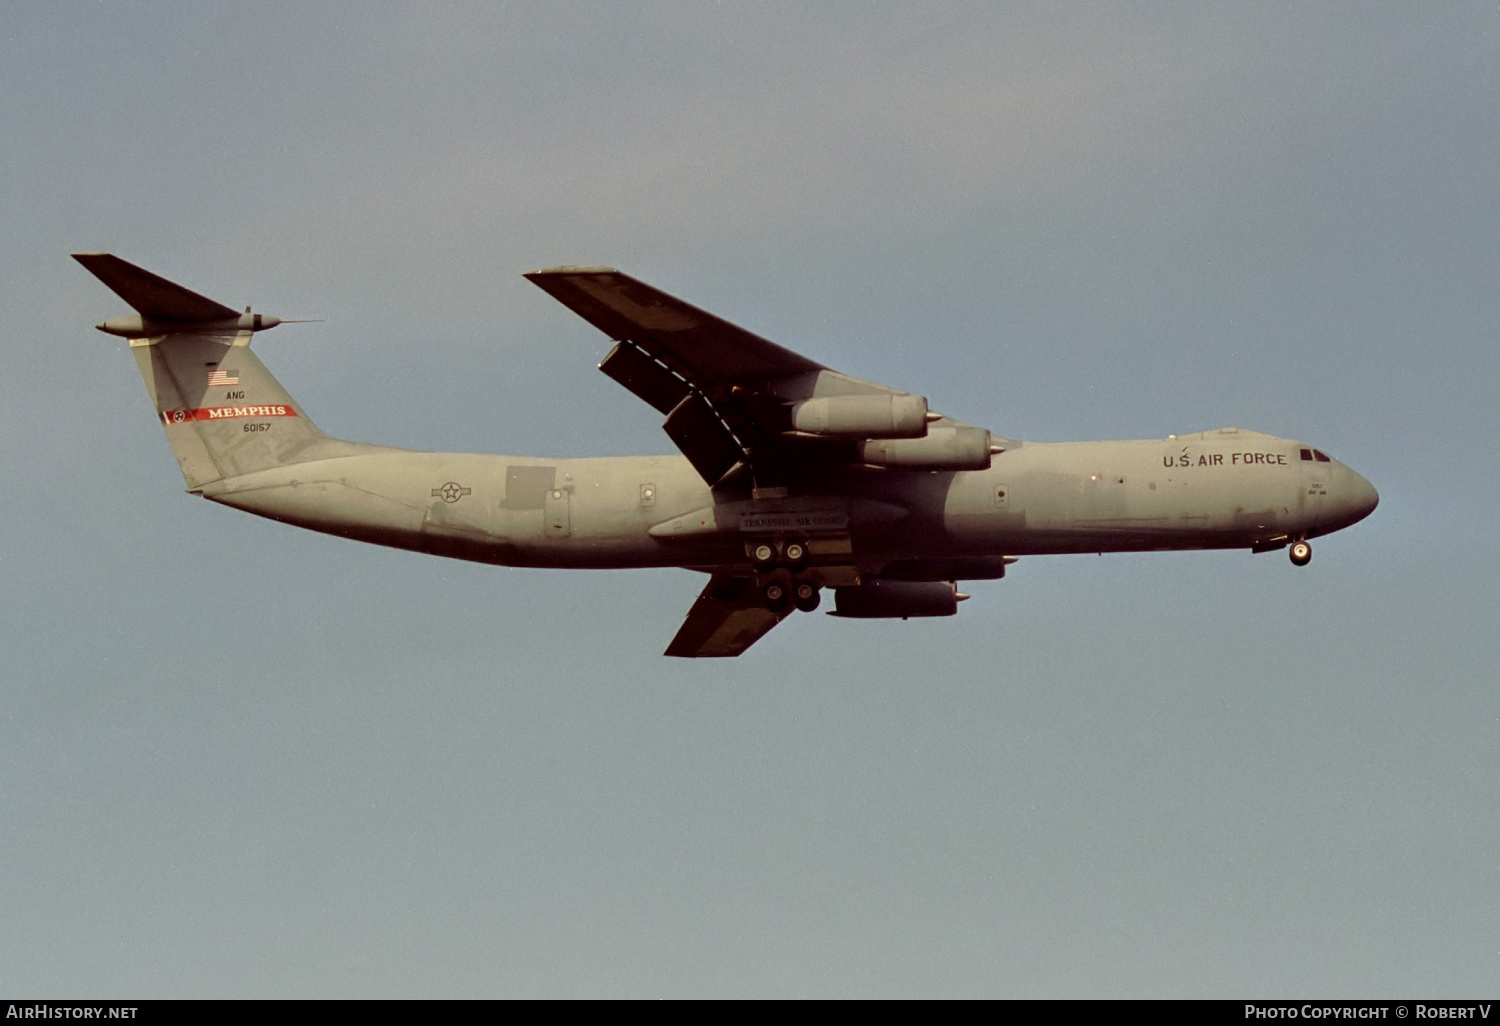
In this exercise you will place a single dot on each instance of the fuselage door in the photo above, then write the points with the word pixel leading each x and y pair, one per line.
pixel 556 509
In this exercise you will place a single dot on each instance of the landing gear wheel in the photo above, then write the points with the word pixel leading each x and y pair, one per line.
pixel 794 553
pixel 1300 553
pixel 775 596
pixel 805 595
pixel 763 553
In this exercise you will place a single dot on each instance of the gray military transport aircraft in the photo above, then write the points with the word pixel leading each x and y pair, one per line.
pixel 793 477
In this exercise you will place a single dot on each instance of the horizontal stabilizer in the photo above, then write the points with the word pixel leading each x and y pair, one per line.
pixel 151 295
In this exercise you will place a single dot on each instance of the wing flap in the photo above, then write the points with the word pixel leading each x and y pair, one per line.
pixel 644 376
pixel 726 619
pixel 703 438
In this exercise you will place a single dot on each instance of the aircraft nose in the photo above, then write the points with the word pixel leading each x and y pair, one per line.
pixel 1357 498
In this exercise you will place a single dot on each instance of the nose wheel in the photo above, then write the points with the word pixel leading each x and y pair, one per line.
pixel 1300 553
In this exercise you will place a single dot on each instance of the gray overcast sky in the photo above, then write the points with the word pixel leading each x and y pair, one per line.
pixel 240 759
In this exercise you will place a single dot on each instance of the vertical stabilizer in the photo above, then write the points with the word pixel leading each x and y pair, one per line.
pixel 223 412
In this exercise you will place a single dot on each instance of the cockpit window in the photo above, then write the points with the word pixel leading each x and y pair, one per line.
pixel 1307 455
pixel 1321 456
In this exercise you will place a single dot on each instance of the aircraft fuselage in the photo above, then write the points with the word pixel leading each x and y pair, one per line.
pixel 1216 490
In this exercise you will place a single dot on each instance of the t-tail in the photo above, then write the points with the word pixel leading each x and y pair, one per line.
pixel 223 412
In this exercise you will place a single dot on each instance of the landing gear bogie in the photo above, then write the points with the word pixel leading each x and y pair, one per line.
pixel 769 554
pixel 780 591
pixel 1300 553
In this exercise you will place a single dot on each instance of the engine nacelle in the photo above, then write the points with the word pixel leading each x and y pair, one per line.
pixel 961 447
pixel 862 416
pixel 880 599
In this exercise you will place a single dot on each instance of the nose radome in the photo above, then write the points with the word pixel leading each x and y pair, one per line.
pixel 1359 497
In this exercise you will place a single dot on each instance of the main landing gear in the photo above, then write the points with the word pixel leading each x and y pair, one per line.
pixel 790 554
pixel 1300 553
pixel 801 592
pixel 783 584
pixel 805 595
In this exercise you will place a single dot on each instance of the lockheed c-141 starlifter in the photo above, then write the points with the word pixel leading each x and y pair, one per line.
pixel 792 478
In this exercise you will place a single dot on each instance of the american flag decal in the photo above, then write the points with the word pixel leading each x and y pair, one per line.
pixel 221 378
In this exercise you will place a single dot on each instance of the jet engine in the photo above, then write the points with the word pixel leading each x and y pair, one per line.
pixel 862 416
pixel 960 447
pixel 880 599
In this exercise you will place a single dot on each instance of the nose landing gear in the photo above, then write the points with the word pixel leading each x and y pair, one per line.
pixel 1300 553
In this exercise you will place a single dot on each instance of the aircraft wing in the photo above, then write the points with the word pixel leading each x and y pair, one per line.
pixel 706 348
pixel 727 618
pixel 721 387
